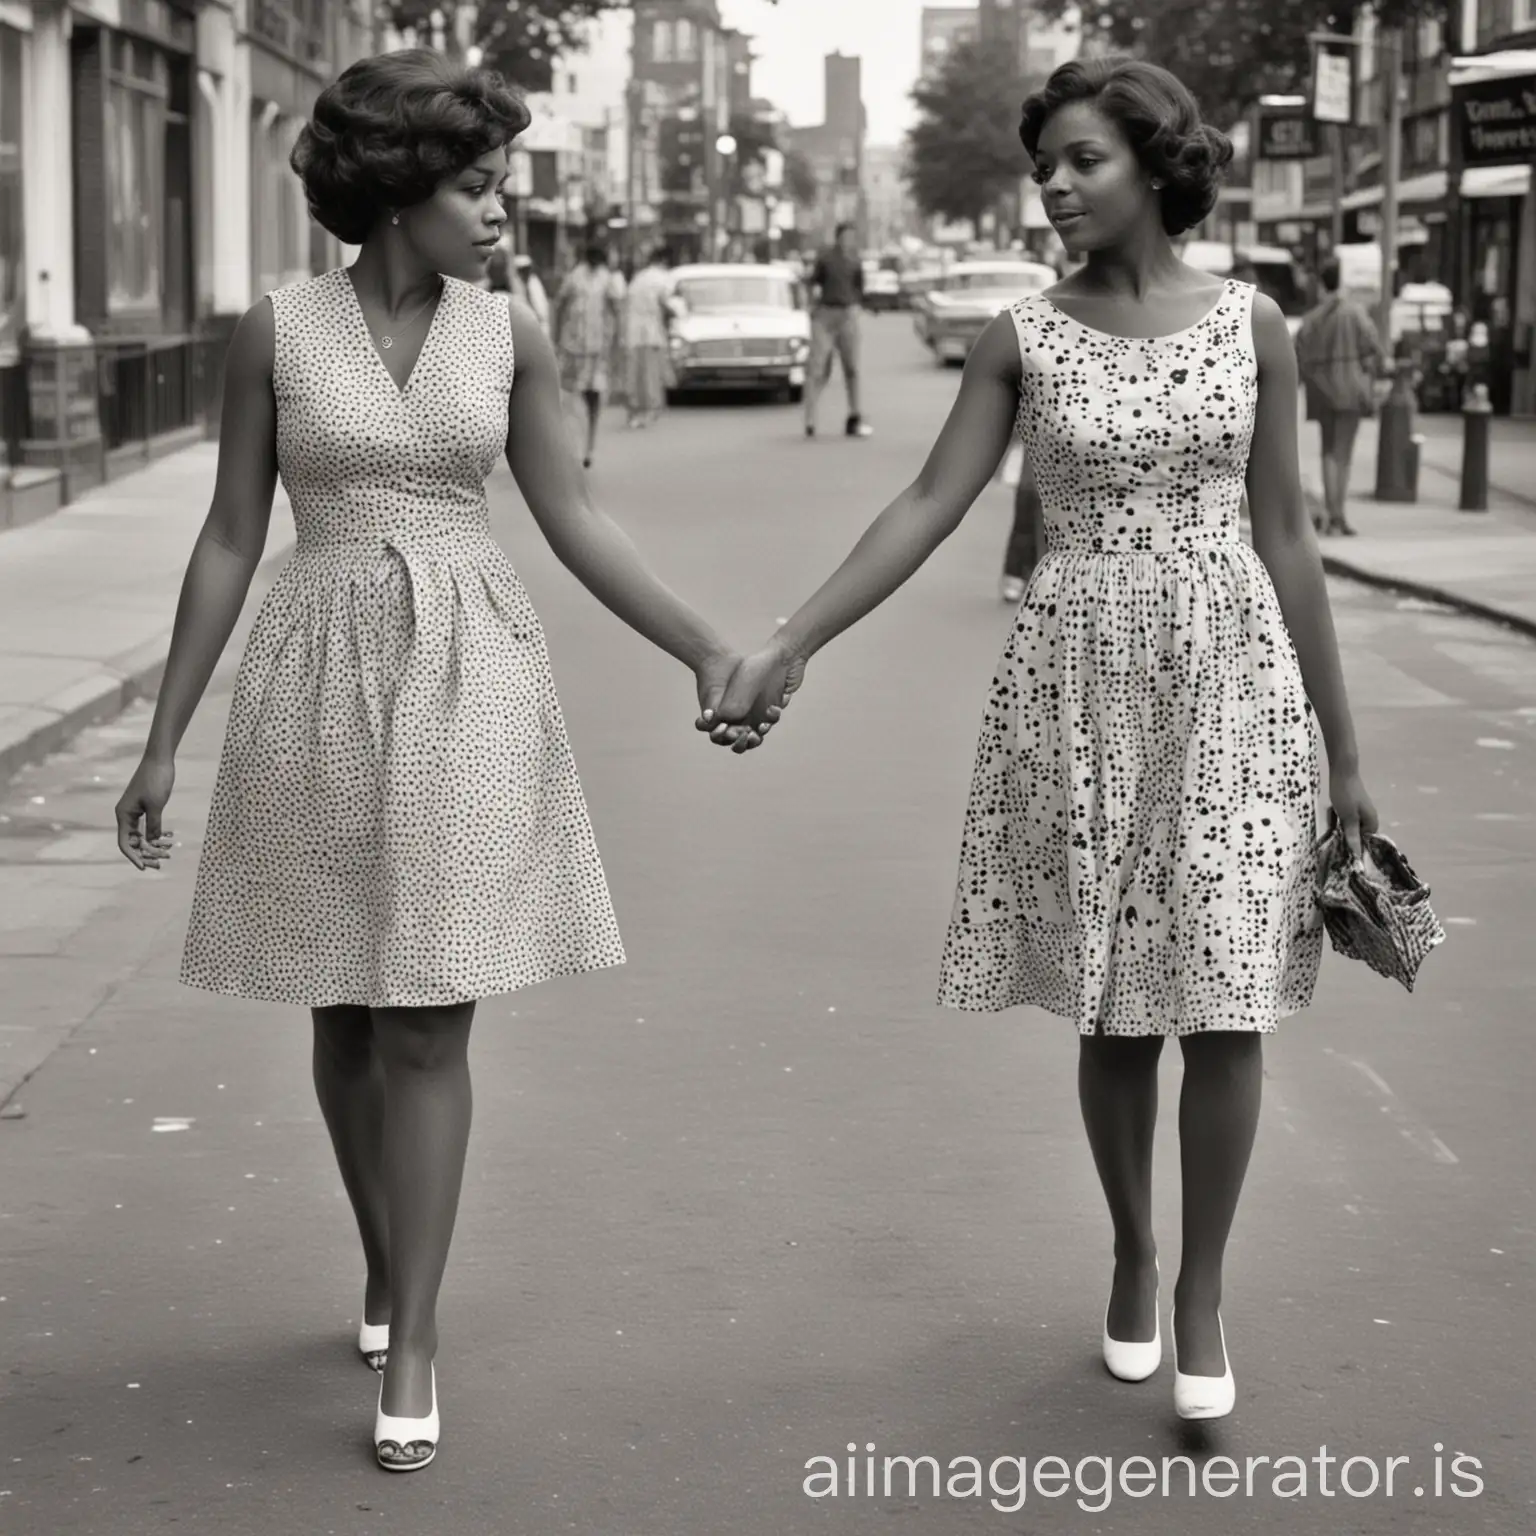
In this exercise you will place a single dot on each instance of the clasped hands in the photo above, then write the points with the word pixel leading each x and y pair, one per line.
pixel 741 698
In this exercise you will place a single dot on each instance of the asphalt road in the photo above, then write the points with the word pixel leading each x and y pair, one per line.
pixel 753 1197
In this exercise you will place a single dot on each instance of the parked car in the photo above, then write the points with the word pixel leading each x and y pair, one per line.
pixel 882 285
pixel 1272 269
pixel 950 317
pixel 738 327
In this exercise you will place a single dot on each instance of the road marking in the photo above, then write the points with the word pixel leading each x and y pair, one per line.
pixel 1417 1136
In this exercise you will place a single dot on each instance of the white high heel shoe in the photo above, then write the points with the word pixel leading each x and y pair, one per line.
pixel 406 1445
pixel 373 1344
pixel 1203 1397
pixel 1131 1360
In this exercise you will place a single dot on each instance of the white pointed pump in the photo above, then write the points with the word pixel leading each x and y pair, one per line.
pixel 1129 1360
pixel 1203 1397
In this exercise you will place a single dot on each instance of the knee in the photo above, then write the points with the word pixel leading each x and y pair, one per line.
pixel 344 1040
pixel 1223 1053
pixel 1121 1055
pixel 420 1039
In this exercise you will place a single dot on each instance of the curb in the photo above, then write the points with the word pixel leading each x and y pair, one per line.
pixel 121 681
pixel 1420 589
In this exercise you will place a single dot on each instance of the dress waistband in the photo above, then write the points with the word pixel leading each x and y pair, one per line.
pixel 1145 541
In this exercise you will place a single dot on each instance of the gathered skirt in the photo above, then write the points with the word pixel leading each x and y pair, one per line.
pixel 1138 852
pixel 397 819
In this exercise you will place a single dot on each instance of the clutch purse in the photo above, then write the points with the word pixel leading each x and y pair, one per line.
pixel 1376 909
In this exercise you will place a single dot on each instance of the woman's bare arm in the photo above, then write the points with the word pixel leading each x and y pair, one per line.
pixel 961 463
pixel 1283 536
pixel 234 534
pixel 586 541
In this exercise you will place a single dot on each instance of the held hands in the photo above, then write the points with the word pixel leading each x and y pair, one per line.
pixel 742 701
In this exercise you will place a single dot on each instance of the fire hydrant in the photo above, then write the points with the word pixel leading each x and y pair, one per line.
pixel 1397 448
pixel 1476 417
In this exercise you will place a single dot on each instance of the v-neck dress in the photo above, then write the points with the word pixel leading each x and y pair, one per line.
pixel 397 819
pixel 1139 844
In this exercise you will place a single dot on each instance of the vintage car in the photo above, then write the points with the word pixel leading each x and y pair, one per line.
pixel 950 317
pixel 882 285
pixel 738 326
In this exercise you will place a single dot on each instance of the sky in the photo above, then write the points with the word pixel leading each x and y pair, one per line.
pixel 793 36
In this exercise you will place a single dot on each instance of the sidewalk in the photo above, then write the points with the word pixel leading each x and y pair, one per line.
pixel 1483 563
pixel 87 596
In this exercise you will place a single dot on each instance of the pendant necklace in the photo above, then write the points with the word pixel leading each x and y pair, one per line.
pixel 388 341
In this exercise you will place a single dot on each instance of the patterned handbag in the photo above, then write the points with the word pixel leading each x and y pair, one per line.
pixel 1376 910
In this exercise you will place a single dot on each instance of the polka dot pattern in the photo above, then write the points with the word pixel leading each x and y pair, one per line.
pixel 397 819
pixel 1138 846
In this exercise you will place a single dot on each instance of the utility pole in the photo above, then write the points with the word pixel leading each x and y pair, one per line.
pixel 1391 170
pixel 1336 136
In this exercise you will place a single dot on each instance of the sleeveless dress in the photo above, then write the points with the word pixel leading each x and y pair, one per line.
pixel 1138 845
pixel 397 818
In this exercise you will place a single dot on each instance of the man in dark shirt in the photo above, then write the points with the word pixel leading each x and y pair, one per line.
pixel 837 291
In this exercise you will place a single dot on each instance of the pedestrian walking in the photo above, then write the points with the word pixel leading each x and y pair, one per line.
pixel 1026 538
pixel 618 364
pixel 837 292
pixel 533 288
pixel 397 828
pixel 1138 851
pixel 1340 357
pixel 586 323
pixel 645 338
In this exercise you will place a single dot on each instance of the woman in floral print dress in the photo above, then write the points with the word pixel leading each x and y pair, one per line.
pixel 1138 846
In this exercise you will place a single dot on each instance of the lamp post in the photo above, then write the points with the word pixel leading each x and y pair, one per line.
pixel 725 147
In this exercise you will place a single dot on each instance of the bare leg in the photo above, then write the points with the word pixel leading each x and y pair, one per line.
pixel 1117 1088
pixel 1218 1118
pixel 349 1082
pixel 594 413
pixel 1330 473
pixel 426 1072
pixel 818 369
pixel 1344 454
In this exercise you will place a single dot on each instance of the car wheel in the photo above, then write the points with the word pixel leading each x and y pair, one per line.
pixel 673 396
pixel 796 393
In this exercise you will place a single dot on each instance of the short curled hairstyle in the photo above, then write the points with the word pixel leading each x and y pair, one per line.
pixel 1158 116
pixel 390 129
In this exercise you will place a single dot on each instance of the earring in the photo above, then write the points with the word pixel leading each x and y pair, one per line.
pixel 1157 186
pixel 394 218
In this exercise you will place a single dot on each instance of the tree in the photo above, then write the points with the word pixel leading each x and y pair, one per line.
pixel 963 153
pixel 1230 52
pixel 800 179
pixel 521 38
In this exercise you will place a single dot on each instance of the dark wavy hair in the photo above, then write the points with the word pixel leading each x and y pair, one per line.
pixel 1159 117
pixel 388 130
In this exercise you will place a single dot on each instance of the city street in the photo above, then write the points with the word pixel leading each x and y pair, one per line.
pixel 753 1198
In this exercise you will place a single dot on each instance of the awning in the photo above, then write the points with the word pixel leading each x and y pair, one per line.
pixel 1427 188
pixel 1496 181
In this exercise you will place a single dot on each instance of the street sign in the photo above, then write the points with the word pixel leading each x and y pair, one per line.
pixel 1286 133
pixel 1333 87
pixel 1496 120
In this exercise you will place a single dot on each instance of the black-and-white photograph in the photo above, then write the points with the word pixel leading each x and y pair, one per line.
pixel 619 619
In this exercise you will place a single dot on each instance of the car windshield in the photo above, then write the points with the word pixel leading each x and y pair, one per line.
pixel 759 290
pixel 1020 280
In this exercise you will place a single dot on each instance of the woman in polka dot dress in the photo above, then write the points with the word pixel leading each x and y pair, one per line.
pixel 397 829
pixel 1138 847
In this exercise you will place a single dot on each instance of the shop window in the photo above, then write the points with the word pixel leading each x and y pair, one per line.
pixel 138 88
pixel 662 45
pixel 281 248
pixel 12 292
pixel 687 41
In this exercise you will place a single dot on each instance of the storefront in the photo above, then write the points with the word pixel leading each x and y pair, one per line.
pixel 1493 142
